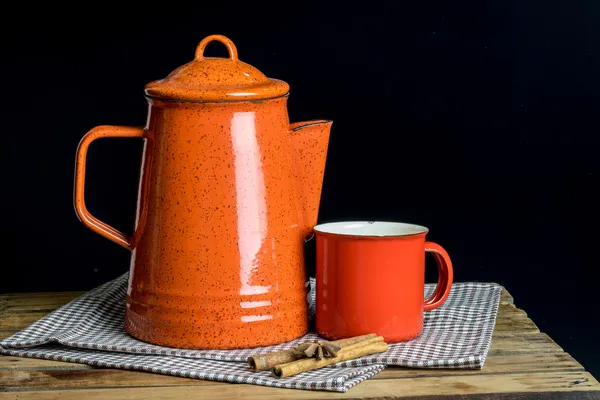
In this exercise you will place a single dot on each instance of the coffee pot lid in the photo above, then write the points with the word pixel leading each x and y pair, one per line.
pixel 207 79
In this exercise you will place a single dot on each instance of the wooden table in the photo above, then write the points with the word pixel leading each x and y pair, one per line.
pixel 523 363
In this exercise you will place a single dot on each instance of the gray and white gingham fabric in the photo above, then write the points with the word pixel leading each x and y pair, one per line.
pixel 90 330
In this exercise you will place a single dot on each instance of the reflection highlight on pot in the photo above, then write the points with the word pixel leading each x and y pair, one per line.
pixel 255 304
pixel 254 318
pixel 251 204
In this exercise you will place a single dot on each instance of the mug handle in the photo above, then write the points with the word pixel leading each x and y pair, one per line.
pixel 445 276
pixel 79 196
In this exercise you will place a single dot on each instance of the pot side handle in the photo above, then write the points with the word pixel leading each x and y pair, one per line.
pixel 83 214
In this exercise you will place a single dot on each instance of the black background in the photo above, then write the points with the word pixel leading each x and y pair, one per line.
pixel 477 119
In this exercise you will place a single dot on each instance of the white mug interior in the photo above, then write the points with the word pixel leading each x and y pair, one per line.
pixel 370 228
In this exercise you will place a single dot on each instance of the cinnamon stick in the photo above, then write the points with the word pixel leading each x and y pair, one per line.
pixel 353 340
pixel 360 349
pixel 266 361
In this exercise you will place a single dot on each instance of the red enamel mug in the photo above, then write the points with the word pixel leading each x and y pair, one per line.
pixel 370 278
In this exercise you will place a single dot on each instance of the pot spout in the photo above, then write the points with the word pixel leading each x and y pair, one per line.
pixel 310 141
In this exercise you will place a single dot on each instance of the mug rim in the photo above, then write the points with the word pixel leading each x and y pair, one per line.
pixel 384 229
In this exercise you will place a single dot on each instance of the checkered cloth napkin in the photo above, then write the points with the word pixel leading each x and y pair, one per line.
pixel 90 330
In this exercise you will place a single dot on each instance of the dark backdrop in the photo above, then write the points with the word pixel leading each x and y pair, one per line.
pixel 477 119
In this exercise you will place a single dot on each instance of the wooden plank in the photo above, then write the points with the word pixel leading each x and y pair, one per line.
pixel 500 364
pixel 20 321
pixel 18 310
pixel 509 310
pixel 519 396
pixel 518 353
pixel 24 378
pixel 8 363
pixel 11 308
pixel 523 344
pixel 386 388
pixel 4 333
pixel 24 310
pixel 26 304
pixel 507 345
pixel 51 302
pixel 515 325
pixel 92 377
pixel 39 295
pixel 505 296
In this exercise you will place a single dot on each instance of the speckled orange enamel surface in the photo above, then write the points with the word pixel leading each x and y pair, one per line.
pixel 216 79
pixel 229 191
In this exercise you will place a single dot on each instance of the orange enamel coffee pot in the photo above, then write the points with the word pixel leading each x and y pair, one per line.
pixel 229 191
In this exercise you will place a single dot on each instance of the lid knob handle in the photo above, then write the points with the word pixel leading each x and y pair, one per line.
pixel 219 38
